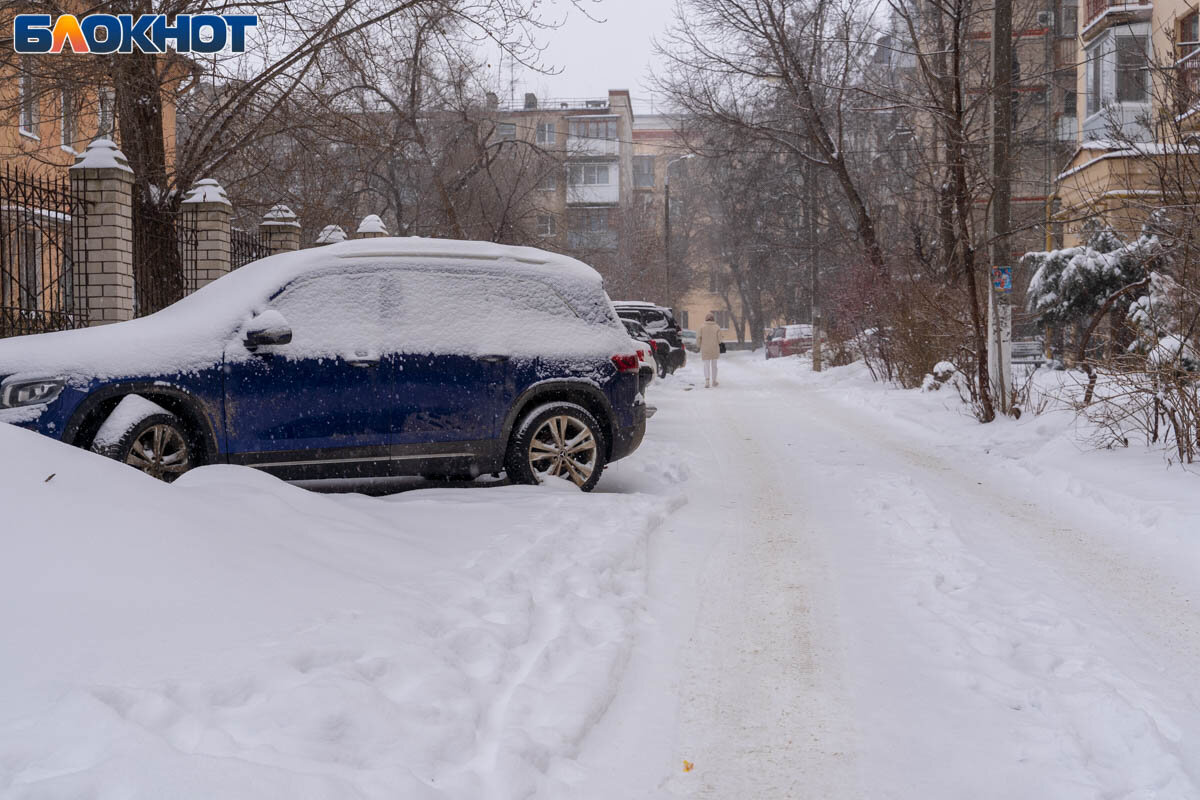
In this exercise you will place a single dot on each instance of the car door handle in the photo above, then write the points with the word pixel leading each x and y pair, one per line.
pixel 363 362
pixel 494 359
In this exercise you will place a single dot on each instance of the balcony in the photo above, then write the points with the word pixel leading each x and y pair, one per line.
pixel 588 146
pixel 597 195
pixel 1112 11
pixel 592 240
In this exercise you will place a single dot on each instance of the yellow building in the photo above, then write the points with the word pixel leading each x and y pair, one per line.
pixel 1137 104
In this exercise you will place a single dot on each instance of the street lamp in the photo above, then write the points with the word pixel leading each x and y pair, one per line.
pixel 667 213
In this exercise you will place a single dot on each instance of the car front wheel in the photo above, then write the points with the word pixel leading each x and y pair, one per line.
pixel 561 440
pixel 146 437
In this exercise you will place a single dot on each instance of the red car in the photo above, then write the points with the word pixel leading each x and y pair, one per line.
pixel 789 340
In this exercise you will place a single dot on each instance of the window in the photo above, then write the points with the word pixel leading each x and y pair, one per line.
pixel 549 181
pixel 643 172
pixel 506 131
pixel 1189 29
pixel 589 175
pixel 334 315
pixel 1069 103
pixel 593 128
pixel 1095 78
pixel 68 120
pixel 546 226
pixel 27 101
pixel 1068 21
pixel 104 115
pixel 1132 69
pixel 589 228
pixel 546 134
pixel 589 220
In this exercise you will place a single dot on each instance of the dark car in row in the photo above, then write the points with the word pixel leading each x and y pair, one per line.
pixel 660 323
pixel 374 357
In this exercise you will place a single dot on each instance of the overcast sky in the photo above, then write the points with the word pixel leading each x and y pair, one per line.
pixel 612 53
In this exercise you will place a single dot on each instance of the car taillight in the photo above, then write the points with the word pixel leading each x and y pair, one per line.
pixel 641 355
pixel 653 345
pixel 625 363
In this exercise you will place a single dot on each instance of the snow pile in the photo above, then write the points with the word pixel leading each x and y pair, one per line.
pixel 233 636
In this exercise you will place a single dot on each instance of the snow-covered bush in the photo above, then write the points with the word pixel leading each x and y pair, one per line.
pixel 1071 284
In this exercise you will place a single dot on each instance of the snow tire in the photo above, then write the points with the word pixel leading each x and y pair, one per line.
pixel 562 437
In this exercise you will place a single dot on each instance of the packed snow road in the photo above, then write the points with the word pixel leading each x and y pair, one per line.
pixel 854 605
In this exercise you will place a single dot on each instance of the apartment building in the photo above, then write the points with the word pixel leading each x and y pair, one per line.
pixel 578 206
pixel 1138 109
pixel 605 200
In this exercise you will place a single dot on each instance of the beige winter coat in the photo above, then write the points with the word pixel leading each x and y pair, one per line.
pixel 709 339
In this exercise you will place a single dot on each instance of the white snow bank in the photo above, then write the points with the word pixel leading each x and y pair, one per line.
pixel 233 636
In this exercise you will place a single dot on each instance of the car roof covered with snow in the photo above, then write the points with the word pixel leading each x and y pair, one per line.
pixel 186 334
pixel 638 304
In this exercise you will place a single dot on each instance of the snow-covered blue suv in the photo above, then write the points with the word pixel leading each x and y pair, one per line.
pixel 368 358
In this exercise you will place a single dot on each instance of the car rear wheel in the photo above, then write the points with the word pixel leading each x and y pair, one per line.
pixel 155 443
pixel 560 440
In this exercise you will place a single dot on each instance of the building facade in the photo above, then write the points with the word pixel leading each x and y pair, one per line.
pixel 1138 111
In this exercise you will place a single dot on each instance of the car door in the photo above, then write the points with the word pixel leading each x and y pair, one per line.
pixel 322 398
pixel 447 379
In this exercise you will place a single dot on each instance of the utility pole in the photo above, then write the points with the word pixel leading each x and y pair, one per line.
pixel 999 305
pixel 667 226
pixel 810 224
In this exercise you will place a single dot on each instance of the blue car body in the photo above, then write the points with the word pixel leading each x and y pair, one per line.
pixel 362 401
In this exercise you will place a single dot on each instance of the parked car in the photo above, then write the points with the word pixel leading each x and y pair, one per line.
pixel 691 342
pixel 789 340
pixel 660 322
pixel 645 351
pixel 373 357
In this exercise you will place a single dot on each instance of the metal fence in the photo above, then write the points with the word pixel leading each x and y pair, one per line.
pixel 165 255
pixel 40 288
pixel 245 247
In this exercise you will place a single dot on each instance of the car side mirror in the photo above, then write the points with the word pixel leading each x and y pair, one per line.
pixel 267 328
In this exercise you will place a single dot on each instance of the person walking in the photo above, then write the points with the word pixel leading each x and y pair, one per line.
pixel 709 339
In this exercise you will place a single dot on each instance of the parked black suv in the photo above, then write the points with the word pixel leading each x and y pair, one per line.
pixel 661 324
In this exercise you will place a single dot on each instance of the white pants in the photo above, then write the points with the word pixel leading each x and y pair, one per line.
pixel 710 369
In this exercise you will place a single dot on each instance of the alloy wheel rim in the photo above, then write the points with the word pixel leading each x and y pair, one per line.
pixel 562 446
pixel 161 452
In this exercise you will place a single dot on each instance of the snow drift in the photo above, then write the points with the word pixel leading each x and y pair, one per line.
pixel 234 636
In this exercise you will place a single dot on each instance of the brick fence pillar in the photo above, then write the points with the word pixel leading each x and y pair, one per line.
pixel 281 229
pixel 213 211
pixel 104 239
pixel 371 227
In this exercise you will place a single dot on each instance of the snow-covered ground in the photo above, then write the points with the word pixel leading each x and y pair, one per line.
pixel 231 636
pixel 804 585
pixel 869 595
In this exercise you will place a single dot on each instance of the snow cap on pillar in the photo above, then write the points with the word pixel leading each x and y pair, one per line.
pixel 207 190
pixel 281 215
pixel 102 154
pixel 331 234
pixel 371 226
